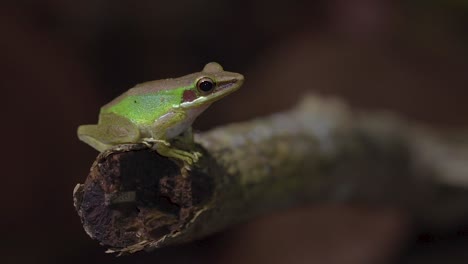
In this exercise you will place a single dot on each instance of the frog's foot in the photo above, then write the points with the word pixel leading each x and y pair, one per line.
pixel 150 142
pixel 164 149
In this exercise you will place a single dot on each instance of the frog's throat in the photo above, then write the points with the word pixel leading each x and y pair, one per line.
pixel 183 125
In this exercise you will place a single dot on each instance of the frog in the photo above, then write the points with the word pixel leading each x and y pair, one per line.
pixel 155 113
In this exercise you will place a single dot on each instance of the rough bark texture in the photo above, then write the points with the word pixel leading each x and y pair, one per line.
pixel 134 199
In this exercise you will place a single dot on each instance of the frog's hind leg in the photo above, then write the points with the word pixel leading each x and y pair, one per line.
pixel 110 131
pixel 90 135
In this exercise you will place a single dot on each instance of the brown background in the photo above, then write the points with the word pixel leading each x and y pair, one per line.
pixel 61 60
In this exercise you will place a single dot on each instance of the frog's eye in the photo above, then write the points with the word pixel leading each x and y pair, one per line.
pixel 205 85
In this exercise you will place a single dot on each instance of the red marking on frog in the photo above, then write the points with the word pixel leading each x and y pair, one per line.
pixel 188 96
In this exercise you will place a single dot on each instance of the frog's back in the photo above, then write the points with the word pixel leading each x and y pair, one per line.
pixel 146 102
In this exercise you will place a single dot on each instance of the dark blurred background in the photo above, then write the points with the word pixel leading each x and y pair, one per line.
pixel 60 60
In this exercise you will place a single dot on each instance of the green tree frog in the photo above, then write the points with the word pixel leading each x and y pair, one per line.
pixel 155 112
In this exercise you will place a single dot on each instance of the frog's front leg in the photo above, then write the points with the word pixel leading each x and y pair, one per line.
pixel 168 127
pixel 189 158
pixel 165 149
pixel 187 139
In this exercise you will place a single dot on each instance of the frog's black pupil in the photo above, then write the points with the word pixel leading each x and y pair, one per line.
pixel 206 86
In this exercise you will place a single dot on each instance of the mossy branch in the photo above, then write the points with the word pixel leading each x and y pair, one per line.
pixel 134 199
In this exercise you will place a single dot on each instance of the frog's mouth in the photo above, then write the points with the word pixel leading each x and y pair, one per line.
pixel 226 84
pixel 226 87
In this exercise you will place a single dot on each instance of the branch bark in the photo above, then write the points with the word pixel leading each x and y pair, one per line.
pixel 320 151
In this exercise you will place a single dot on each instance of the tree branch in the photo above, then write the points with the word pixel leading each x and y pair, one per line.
pixel 134 199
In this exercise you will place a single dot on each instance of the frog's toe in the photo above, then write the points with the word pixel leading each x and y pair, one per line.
pixel 187 157
pixel 152 142
pixel 194 156
pixel 147 144
pixel 197 154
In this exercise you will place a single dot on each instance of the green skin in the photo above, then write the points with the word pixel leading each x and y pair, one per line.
pixel 155 112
